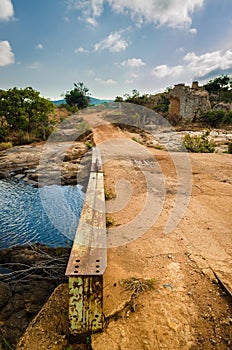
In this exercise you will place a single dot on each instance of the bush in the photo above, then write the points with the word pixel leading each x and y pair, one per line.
pixel 230 148
pixel 216 118
pixel 228 118
pixel 212 118
pixel 5 145
pixel 199 144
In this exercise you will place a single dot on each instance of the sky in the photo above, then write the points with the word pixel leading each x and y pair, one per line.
pixel 113 46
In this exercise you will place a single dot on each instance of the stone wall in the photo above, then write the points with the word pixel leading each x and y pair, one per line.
pixel 187 103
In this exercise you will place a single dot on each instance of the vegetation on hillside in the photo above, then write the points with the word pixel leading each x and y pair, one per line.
pixel 230 148
pixel 78 97
pixel 220 89
pixel 24 116
pixel 220 95
pixel 159 102
pixel 199 143
pixel 216 118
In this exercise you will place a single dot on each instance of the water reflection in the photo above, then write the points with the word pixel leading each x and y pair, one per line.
pixel 47 215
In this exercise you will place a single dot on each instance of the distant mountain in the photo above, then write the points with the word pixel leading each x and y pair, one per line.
pixel 93 101
pixel 97 101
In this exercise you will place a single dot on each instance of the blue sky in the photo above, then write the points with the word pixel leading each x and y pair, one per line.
pixel 113 46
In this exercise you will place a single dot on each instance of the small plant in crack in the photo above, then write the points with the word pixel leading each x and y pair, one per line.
pixel 110 221
pixel 138 285
pixel 109 194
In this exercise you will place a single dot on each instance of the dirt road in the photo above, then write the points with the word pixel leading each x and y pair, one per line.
pixel 187 308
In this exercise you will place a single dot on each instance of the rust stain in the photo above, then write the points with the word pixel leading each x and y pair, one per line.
pixel 88 258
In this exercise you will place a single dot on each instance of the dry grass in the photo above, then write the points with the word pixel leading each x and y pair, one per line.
pixel 138 285
pixel 5 145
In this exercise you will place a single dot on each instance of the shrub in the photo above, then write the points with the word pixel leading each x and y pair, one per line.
pixel 230 148
pixel 228 118
pixel 199 144
pixel 212 118
pixel 110 221
pixel 216 118
pixel 5 145
pixel 21 137
pixel 138 285
pixel 109 194
pixel 89 145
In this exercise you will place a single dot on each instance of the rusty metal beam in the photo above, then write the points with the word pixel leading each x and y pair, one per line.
pixel 88 258
pixel 85 314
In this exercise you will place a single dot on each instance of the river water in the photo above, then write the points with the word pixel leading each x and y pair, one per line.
pixel 47 215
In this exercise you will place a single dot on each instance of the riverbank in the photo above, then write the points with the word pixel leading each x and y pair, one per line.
pixel 56 161
pixel 29 275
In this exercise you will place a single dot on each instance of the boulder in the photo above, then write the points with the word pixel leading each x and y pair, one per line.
pixel 4 294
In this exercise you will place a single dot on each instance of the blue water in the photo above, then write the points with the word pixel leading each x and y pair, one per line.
pixel 48 215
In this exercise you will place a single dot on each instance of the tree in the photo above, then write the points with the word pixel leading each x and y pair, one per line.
pixel 78 97
pixel 222 83
pixel 24 111
pixel 220 89
pixel 136 98
pixel 118 99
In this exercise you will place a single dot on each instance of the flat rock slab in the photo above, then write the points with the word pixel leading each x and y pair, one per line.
pixel 29 163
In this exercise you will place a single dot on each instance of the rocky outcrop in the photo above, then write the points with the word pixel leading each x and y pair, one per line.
pixel 53 162
pixel 222 106
pixel 187 103
pixel 56 164
pixel 49 329
pixel 28 277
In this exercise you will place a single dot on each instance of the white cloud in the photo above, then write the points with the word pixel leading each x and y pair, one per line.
pixel 133 63
pixel 107 82
pixel 90 9
pixel 180 49
pixel 80 50
pixel 97 6
pixel 6 10
pixel 163 71
pixel 196 66
pixel 92 21
pixel 208 62
pixel 34 65
pixel 173 13
pixel 193 30
pixel 131 77
pixel 113 43
pixel 6 54
pixel 39 46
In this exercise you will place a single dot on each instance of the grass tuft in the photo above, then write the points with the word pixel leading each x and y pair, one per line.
pixel 5 145
pixel 138 285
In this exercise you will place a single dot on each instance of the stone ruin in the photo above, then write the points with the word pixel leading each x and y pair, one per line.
pixel 187 103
